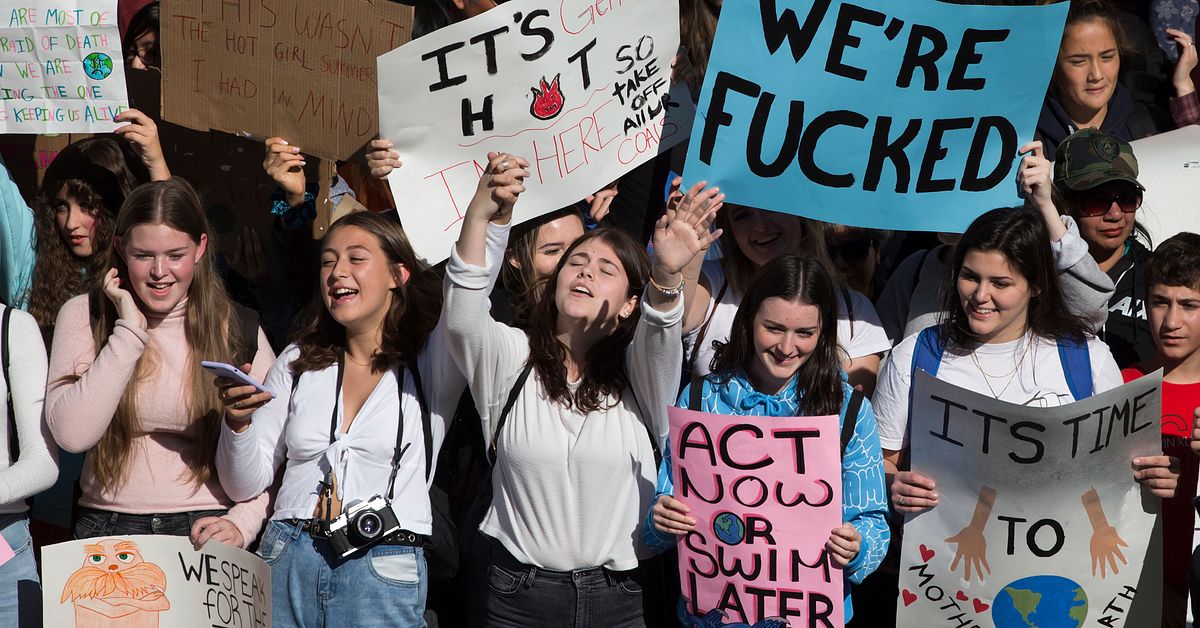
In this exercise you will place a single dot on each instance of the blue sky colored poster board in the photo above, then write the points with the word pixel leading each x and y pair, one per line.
pixel 892 115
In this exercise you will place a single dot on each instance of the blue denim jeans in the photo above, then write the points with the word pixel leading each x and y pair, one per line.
pixel 522 595
pixel 311 587
pixel 20 593
pixel 93 523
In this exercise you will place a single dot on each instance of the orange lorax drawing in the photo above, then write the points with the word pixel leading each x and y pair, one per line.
pixel 115 588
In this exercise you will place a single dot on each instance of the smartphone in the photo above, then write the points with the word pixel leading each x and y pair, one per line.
pixel 221 369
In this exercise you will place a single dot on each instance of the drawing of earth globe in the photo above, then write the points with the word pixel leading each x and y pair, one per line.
pixel 729 528
pixel 97 65
pixel 1042 601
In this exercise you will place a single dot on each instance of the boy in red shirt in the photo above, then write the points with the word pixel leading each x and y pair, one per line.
pixel 1173 290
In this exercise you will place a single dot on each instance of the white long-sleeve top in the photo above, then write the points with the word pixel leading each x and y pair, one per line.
pixel 36 466
pixel 569 490
pixel 293 430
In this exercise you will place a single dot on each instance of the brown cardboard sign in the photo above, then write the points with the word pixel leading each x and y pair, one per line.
pixel 300 69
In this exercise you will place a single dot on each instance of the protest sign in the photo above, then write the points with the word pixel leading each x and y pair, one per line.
pixel 1039 520
pixel 1169 167
pixel 153 580
pixel 61 67
pixel 303 70
pixel 579 88
pixel 889 115
pixel 765 492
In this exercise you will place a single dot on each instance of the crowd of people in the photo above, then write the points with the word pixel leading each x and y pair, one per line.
pixel 497 448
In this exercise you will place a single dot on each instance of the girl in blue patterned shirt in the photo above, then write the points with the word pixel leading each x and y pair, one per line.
pixel 781 360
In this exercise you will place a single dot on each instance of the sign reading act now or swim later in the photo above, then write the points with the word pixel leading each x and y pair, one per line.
pixel 764 492
pixel 61 68
pixel 892 115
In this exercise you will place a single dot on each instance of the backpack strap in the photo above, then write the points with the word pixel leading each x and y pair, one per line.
pixel 426 419
pixel 687 362
pixel 508 404
pixel 927 354
pixel 1077 367
pixel 649 434
pixel 14 445
pixel 696 394
pixel 850 419
pixel 247 320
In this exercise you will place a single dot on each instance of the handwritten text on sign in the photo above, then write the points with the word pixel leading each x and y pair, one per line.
pixel 61 67
pixel 579 88
pixel 300 69
pixel 892 115
pixel 1039 518
pixel 143 580
pixel 765 493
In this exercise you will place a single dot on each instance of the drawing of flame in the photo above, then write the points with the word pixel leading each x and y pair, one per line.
pixel 547 101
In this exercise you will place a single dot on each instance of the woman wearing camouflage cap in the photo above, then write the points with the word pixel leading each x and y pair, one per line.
pixel 1096 179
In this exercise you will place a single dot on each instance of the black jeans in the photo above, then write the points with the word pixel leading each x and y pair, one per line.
pixel 521 595
pixel 92 523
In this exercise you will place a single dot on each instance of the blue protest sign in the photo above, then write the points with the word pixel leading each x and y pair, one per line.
pixel 891 115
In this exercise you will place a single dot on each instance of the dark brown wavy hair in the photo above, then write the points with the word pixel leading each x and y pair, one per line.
pixel 790 277
pixel 1021 236
pixel 416 304
pixel 603 376
pixel 210 329
pixel 97 174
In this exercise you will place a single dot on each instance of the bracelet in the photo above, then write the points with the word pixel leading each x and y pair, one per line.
pixel 670 293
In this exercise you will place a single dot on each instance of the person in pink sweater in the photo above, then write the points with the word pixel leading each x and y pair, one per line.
pixel 125 383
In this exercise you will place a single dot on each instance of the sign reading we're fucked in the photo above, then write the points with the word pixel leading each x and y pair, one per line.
pixel 764 492
pixel 582 89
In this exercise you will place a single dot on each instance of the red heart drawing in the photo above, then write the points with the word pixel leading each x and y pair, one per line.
pixel 980 606
pixel 962 597
pixel 909 598
pixel 926 553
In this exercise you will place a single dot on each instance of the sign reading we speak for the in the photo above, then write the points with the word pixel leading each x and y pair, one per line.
pixel 579 88
pixel 61 67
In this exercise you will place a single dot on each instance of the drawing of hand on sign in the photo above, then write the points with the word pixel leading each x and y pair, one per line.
pixel 972 546
pixel 1106 543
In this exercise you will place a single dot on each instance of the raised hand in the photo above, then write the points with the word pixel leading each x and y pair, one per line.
pixel 142 134
pixel 381 159
pixel 1157 474
pixel 499 187
pixel 682 232
pixel 122 299
pixel 600 203
pixel 248 259
pixel 1182 78
pixel 285 164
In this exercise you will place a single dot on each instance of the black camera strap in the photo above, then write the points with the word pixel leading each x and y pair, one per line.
pixel 398 452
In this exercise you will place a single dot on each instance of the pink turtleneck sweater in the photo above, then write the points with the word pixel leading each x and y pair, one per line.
pixel 79 412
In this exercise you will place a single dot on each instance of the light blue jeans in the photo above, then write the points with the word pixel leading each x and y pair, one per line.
pixel 20 592
pixel 311 587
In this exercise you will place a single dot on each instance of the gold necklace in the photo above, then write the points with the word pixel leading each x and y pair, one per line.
pixel 1012 375
pixel 367 363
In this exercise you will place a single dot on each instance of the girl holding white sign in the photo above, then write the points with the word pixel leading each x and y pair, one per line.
pixel 1008 333
pixel 575 464
pixel 781 359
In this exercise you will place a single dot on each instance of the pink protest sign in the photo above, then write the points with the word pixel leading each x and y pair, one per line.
pixel 765 493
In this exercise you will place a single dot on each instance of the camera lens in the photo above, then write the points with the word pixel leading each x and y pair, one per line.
pixel 368 525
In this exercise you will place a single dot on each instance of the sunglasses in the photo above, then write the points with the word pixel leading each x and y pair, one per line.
pixel 1092 204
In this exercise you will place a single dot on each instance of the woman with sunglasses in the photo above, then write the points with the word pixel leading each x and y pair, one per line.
pixel 1096 178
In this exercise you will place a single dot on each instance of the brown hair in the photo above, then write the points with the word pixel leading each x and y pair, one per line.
pixel 697 28
pixel 520 278
pixel 416 304
pixel 603 375
pixel 96 173
pixel 208 321
pixel 740 271
pixel 1176 262
pixel 1083 11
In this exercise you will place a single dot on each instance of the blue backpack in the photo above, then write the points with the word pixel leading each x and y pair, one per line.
pixel 1076 362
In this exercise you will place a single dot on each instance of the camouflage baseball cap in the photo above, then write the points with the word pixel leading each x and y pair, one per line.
pixel 1089 158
